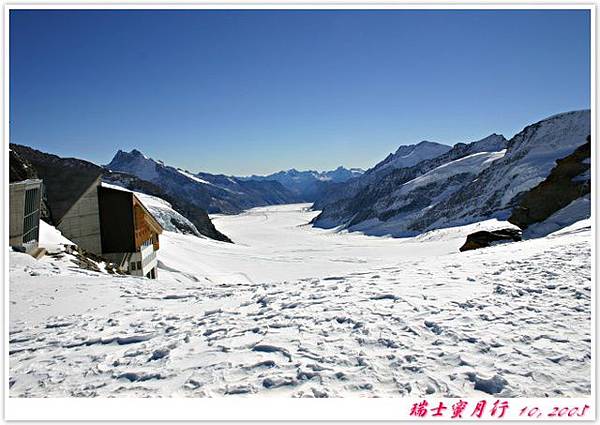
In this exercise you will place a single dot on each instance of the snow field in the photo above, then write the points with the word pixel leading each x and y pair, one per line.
pixel 295 311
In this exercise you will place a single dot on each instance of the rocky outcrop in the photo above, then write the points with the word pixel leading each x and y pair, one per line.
pixel 484 238
pixel 19 168
pixel 568 181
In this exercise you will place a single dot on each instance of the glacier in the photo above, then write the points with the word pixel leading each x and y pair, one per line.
pixel 295 311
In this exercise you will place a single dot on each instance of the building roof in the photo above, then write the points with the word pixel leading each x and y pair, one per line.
pixel 27 182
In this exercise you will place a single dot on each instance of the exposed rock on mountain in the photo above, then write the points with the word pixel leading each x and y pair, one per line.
pixel 578 210
pixel 19 168
pixel 568 181
pixel 65 179
pixel 484 238
pixel 214 193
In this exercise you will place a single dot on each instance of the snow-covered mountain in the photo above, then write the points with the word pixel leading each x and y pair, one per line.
pixel 530 156
pixel 309 184
pixel 214 193
pixel 395 213
pixel 468 183
pixel 409 155
pixel 340 197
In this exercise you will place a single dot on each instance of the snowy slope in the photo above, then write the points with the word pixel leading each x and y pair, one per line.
pixel 375 197
pixel 530 157
pixel 576 211
pixel 377 206
pixel 168 218
pixel 396 213
pixel 472 164
pixel 51 238
pixel 283 314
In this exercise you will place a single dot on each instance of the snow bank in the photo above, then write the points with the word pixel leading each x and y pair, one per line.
pixel 51 238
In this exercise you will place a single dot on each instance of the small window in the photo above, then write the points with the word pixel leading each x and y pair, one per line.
pixel 139 265
pixel 133 265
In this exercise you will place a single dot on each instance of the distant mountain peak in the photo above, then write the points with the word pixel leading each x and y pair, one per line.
pixel 137 153
pixel 308 183
pixel 409 155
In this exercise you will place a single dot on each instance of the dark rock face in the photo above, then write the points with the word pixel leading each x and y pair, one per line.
pixel 20 169
pixel 484 238
pixel 568 181
pixel 65 179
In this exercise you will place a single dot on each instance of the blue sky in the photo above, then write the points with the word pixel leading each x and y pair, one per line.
pixel 242 92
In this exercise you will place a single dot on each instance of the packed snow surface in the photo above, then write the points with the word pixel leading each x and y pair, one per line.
pixel 291 310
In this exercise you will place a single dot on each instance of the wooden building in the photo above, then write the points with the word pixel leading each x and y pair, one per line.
pixel 128 231
pixel 112 222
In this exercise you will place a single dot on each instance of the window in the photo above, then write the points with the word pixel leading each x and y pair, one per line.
pixel 139 265
pixel 133 265
pixel 31 214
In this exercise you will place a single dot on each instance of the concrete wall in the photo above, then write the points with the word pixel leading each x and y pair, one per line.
pixel 81 224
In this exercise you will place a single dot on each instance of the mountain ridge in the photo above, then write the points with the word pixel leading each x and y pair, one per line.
pixel 212 192
pixel 381 205
pixel 310 184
